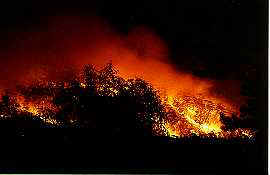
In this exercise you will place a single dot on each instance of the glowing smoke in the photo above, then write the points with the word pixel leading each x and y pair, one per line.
pixel 64 42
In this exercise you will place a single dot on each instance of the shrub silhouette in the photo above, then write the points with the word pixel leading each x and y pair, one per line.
pixel 98 100
pixel 101 101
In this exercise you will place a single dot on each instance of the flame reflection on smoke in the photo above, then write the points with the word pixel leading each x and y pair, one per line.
pixel 191 105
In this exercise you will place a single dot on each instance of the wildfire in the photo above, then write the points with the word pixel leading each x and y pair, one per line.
pixel 200 117
pixel 186 114
pixel 190 105
pixel 42 108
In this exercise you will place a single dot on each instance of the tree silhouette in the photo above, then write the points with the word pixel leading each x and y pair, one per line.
pixel 98 100
pixel 102 102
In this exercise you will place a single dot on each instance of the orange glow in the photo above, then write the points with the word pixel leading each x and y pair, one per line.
pixel 38 108
pixel 186 113
pixel 192 106
pixel 198 117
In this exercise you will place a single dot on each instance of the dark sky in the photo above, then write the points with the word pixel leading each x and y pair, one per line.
pixel 220 38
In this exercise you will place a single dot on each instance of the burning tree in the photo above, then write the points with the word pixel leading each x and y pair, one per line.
pixel 98 100
pixel 107 104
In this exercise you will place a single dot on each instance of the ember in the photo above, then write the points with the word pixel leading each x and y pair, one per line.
pixel 196 116
pixel 63 92
pixel 181 115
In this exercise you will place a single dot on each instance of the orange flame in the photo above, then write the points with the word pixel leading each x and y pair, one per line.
pixel 199 117
pixel 194 107
pixel 37 108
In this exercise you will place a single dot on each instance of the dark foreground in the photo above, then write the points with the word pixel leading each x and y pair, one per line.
pixel 77 151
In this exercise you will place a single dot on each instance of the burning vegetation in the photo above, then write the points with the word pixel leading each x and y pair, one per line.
pixel 103 101
pixel 142 93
